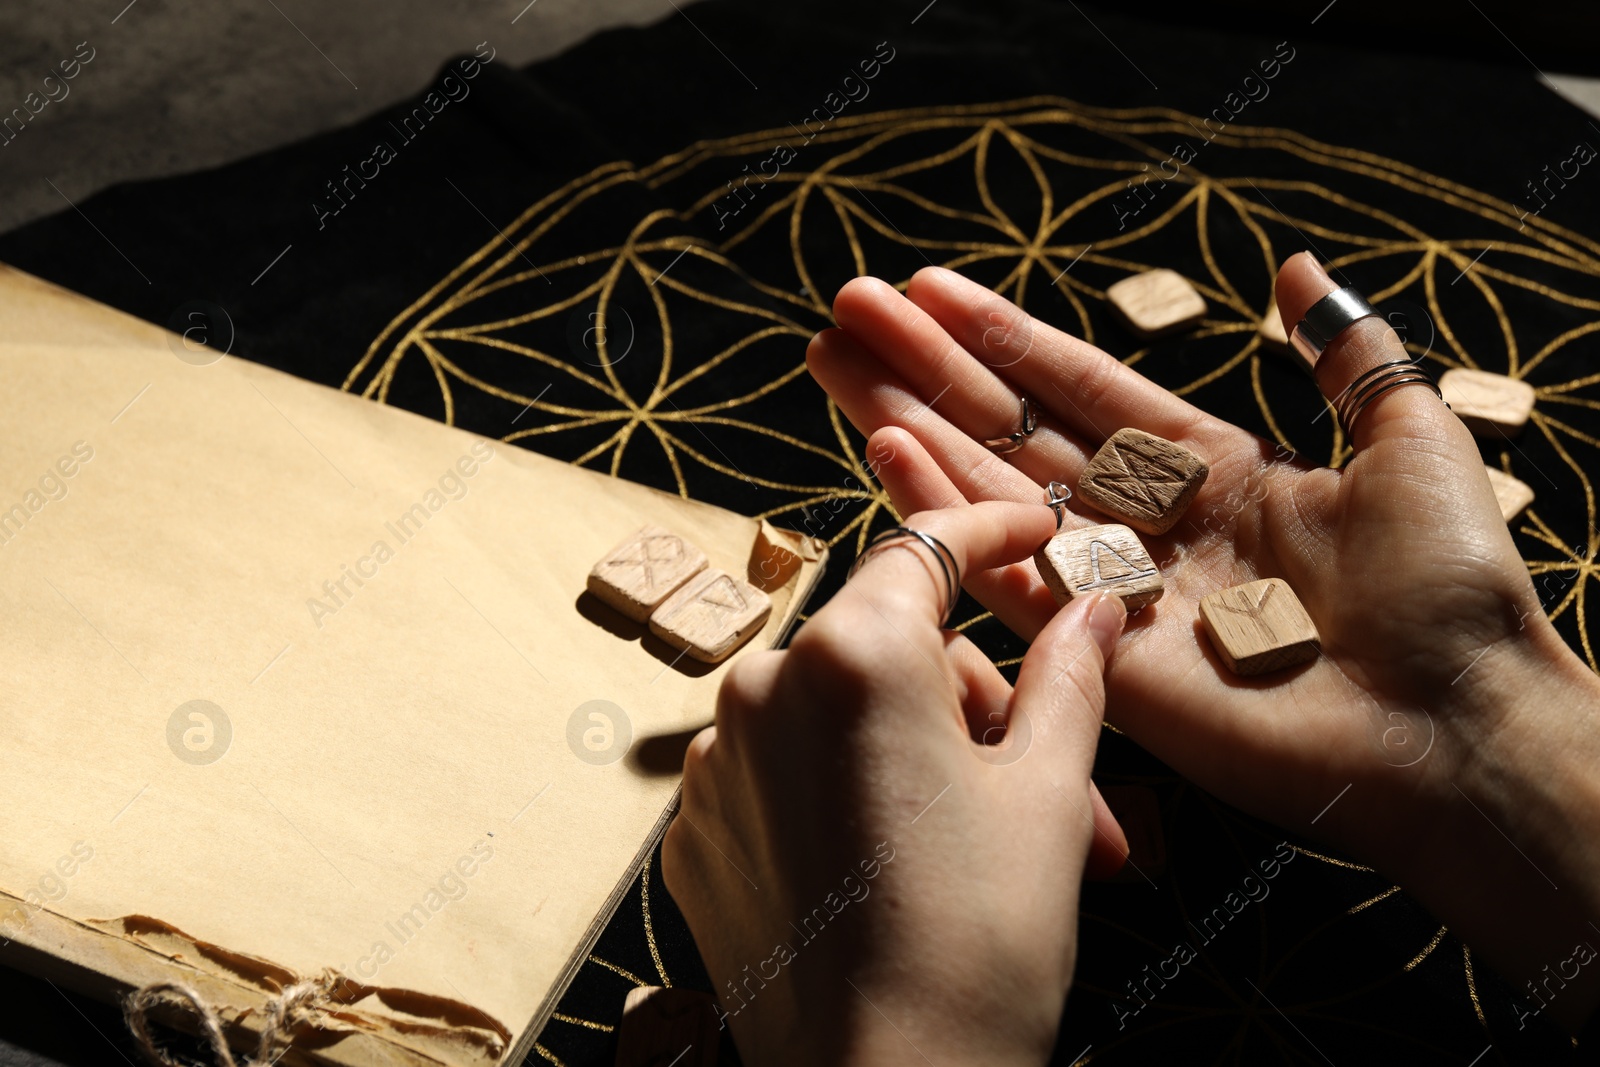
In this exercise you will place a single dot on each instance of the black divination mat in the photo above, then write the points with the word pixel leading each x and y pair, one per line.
pixel 574 257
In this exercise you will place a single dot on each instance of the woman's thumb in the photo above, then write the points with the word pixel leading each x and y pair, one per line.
pixel 1060 697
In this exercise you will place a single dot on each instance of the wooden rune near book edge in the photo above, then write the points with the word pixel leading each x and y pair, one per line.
pixel 399 792
pixel 656 575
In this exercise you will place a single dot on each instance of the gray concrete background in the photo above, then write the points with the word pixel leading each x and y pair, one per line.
pixel 178 85
pixel 1585 92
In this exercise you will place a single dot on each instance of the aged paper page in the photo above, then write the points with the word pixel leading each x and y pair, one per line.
pixel 296 682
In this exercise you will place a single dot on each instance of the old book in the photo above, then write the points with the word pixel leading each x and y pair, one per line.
pixel 302 687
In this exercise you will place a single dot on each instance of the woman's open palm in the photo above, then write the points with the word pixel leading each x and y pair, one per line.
pixel 1401 558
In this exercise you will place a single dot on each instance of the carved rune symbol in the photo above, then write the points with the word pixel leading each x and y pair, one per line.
pixel 1249 610
pixel 1130 573
pixel 1143 481
pixel 731 603
pixel 659 548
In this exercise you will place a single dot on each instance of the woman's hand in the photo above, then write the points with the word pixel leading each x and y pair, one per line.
pixel 866 882
pixel 1445 729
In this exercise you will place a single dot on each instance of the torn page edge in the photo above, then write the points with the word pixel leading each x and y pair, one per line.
pixel 360 1026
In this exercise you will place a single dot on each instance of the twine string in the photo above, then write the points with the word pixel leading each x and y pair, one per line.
pixel 282 1015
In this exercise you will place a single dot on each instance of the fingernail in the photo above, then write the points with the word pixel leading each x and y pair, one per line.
pixel 1106 620
pixel 1317 266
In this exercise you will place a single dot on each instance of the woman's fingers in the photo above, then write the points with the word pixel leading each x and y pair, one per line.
pixel 1406 412
pixel 915 482
pixel 1057 708
pixel 1109 848
pixel 982 536
pixel 1414 458
pixel 986 701
pixel 1092 393
pixel 902 591
pixel 984 693
pixel 1016 596
pixel 971 398
pixel 1015 593
pixel 944 347
pixel 871 396
pixel 883 633
pixel 1062 684
pixel 926 357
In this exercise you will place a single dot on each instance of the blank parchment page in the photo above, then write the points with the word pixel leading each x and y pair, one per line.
pixel 294 676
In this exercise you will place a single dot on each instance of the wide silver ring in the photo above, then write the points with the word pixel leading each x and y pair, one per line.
pixel 1001 446
pixel 945 558
pixel 1327 319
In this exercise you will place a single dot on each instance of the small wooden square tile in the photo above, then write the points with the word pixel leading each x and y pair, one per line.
pixel 711 616
pixel 1490 404
pixel 1273 336
pixel 641 572
pixel 1260 627
pixel 1156 303
pixel 1511 493
pixel 1146 481
pixel 668 1026
pixel 1107 558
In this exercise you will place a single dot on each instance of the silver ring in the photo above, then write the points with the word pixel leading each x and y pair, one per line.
pixel 1001 446
pixel 1370 385
pixel 1327 319
pixel 945 558
pixel 1056 496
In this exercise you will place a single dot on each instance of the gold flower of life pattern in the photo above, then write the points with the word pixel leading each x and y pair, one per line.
pixel 669 303
pixel 651 320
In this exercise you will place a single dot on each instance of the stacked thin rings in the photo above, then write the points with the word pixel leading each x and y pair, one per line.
pixel 945 558
pixel 1370 385
pixel 1324 321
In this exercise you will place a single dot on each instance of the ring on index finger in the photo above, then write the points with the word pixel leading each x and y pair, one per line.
pixel 903 535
